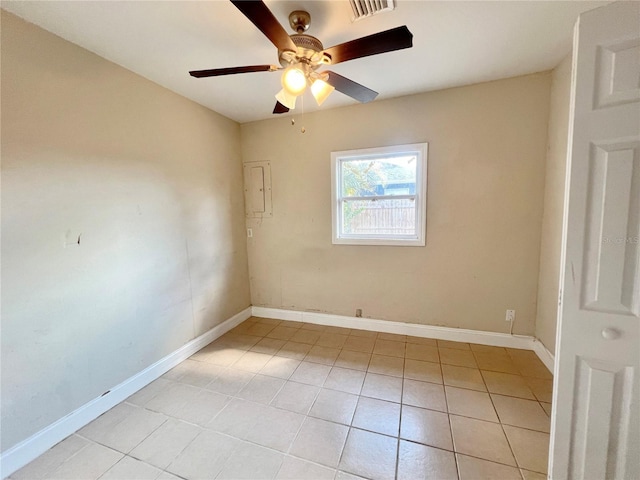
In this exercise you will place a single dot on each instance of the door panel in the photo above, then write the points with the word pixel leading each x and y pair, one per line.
pixel 595 420
pixel 611 282
pixel 604 404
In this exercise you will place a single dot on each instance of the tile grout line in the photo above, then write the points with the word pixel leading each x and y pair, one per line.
pixel 72 455
pixel 404 362
pixel 446 400
pixel 306 415
pixel 513 454
pixel 350 426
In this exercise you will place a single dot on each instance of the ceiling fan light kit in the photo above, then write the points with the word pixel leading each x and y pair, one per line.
pixel 301 55
pixel 320 90
pixel 295 80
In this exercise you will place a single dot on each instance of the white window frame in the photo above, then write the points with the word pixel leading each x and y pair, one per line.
pixel 420 197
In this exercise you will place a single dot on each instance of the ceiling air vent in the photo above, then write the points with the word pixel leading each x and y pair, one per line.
pixel 366 8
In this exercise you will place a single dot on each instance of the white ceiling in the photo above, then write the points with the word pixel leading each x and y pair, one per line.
pixel 455 43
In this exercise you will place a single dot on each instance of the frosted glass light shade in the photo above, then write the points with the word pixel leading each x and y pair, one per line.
pixel 294 80
pixel 321 90
pixel 286 99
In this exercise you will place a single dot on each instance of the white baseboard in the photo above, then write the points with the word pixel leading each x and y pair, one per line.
pixel 27 450
pixel 544 355
pixel 417 330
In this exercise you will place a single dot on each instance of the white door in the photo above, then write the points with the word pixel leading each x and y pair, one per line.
pixel 596 404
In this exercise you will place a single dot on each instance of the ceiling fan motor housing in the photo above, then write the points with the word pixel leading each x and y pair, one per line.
pixel 309 50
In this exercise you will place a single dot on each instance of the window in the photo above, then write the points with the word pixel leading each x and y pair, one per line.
pixel 379 195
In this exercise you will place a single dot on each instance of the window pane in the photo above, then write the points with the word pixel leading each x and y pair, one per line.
pixel 379 217
pixel 379 176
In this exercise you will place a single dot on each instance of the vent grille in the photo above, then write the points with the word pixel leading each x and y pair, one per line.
pixel 365 8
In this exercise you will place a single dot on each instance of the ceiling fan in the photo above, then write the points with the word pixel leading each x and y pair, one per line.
pixel 302 55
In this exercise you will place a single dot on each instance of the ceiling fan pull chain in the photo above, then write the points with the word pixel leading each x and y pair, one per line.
pixel 302 129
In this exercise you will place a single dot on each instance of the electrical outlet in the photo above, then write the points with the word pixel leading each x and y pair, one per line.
pixel 511 316
pixel 249 233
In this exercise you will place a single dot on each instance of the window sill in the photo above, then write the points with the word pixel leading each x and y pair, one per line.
pixel 379 242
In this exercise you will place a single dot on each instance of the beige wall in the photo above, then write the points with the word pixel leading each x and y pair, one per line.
pixel 487 148
pixel 551 240
pixel 152 184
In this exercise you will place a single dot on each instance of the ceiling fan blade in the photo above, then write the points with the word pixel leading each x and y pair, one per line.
pixel 260 15
pixel 387 41
pixel 216 72
pixel 280 108
pixel 350 88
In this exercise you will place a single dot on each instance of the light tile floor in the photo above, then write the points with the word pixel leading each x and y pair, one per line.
pixel 287 400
